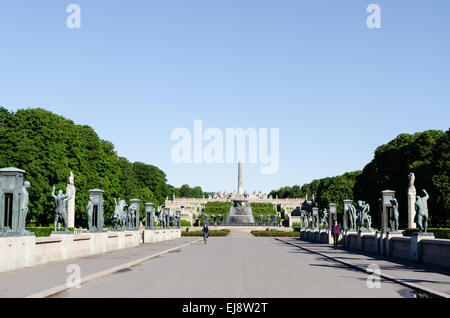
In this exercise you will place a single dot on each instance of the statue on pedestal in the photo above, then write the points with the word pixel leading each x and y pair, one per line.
pixel 411 178
pixel 394 215
pixel 324 218
pixel 352 216
pixel 89 212
pixel 365 217
pixel 70 189
pixel 274 220
pixel 119 218
pixel 131 220
pixel 422 212
pixel 315 215
pixel 164 216
pixel 23 208
pixel 60 208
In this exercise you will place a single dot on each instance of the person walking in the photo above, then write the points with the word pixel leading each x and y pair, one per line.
pixel 336 231
pixel 205 231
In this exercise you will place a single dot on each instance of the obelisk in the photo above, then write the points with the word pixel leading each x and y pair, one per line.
pixel 240 188
pixel 70 203
pixel 411 201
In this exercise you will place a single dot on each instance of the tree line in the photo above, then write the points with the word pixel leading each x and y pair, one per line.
pixel 426 154
pixel 48 146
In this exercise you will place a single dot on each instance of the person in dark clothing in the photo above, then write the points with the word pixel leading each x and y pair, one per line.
pixel 336 231
pixel 205 231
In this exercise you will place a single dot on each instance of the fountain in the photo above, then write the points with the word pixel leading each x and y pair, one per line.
pixel 240 213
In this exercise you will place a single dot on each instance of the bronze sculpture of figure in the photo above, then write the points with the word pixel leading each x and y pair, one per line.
pixel 23 207
pixel 60 207
pixel 394 215
pixel 421 217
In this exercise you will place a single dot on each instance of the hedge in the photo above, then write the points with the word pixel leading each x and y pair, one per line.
pixel 211 233
pixel 275 234
pixel 185 223
pixel 440 233
pixel 43 231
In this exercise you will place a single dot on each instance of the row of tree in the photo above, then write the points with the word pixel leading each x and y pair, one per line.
pixel 426 154
pixel 185 191
pixel 48 147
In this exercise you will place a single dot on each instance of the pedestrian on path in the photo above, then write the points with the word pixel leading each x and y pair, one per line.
pixel 205 231
pixel 336 231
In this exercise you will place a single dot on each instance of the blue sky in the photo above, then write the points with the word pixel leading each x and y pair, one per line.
pixel 136 70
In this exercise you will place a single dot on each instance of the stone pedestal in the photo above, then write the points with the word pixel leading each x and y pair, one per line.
pixel 411 207
pixel 16 252
pixel 333 214
pixel 345 216
pixel 136 204
pixel 416 237
pixel 149 212
pixel 386 197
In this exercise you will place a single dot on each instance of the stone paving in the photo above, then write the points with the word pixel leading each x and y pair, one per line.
pixel 428 275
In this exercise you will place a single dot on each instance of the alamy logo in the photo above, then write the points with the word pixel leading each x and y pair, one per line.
pixel 74 19
pixel 74 279
pixel 374 19
pixel 191 148
pixel 374 280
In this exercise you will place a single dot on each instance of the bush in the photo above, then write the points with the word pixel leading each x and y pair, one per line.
pixel 296 224
pixel 217 207
pixel 440 233
pixel 211 233
pixel 185 223
pixel 275 234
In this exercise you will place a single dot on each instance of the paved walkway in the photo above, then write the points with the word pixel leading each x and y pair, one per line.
pixel 237 267
pixel 27 281
pixel 429 276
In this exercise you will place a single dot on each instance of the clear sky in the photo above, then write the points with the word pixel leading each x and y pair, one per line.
pixel 136 70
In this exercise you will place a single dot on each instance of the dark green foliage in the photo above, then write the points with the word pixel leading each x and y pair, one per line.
pixel 440 233
pixel 185 223
pixel 275 233
pixel 335 190
pixel 185 191
pixel 427 154
pixel 48 147
pixel 211 233
pixel 217 207
pixel 262 209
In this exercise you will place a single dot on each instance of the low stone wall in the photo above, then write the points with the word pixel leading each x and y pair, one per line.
pixel 152 236
pixel 369 243
pixel 16 252
pixel 400 247
pixel 421 248
pixel 352 241
pixel 436 252
pixel 26 251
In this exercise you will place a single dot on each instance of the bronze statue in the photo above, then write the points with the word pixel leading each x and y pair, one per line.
pixel 324 218
pixel 352 216
pixel 421 217
pixel 89 212
pixel 23 207
pixel 394 215
pixel 60 207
